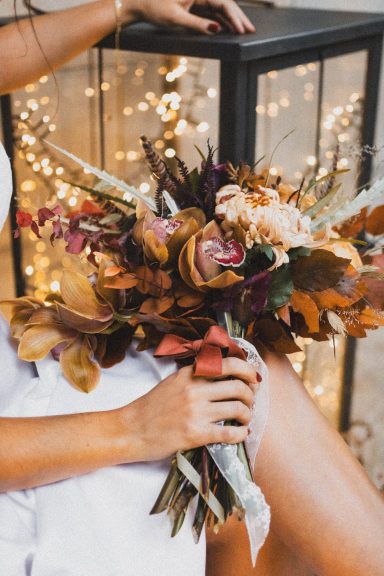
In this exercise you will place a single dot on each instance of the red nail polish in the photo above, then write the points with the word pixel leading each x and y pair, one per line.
pixel 214 28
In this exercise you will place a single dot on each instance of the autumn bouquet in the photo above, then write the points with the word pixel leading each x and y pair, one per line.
pixel 221 258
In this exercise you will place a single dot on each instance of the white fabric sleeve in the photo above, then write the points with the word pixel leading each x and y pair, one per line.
pixel 15 375
pixel 5 185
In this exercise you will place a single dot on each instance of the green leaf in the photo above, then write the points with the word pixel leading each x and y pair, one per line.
pixel 194 178
pixel 280 288
pixel 204 159
pixel 313 210
pixel 267 250
pixel 296 253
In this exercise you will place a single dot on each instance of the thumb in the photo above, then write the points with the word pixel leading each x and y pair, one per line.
pixel 184 18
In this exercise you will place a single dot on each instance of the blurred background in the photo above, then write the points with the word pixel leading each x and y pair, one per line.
pixel 174 101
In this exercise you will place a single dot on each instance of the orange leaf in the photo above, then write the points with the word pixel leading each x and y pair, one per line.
pixel 156 305
pixel 122 282
pixel 303 303
pixel 371 318
pixel 375 221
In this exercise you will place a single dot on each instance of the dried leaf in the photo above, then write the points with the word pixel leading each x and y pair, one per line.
pixel 82 323
pixel 347 291
pixel 304 305
pixel 79 295
pixel 78 366
pixel 156 251
pixel 318 271
pixel 38 340
pixel 375 221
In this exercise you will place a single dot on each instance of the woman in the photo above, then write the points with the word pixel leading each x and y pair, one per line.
pixel 71 504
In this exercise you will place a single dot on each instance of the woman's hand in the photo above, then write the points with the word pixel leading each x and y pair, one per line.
pixel 201 15
pixel 183 412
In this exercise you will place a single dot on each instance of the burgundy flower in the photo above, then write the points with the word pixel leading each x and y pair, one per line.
pixel 225 253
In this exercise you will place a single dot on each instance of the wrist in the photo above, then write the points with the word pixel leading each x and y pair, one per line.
pixel 127 440
pixel 131 11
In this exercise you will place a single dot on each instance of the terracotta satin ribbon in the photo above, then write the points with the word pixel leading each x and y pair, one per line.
pixel 209 351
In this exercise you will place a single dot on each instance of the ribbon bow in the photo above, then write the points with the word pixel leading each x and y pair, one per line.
pixel 209 351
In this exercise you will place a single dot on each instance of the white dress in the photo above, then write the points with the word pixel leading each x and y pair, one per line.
pixel 97 524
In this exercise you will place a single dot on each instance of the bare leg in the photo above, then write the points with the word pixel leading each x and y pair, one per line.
pixel 228 553
pixel 323 505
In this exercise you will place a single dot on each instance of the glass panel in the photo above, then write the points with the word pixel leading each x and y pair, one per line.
pixel 342 109
pixel 287 100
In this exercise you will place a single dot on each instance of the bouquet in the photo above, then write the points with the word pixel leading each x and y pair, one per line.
pixel 221 258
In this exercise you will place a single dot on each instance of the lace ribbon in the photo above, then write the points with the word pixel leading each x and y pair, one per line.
pixel 257 511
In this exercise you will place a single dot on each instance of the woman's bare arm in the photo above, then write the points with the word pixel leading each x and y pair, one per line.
pixel 323 505
pixel 179 413
pixel 32 47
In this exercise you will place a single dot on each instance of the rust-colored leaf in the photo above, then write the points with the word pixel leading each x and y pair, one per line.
pixel 348 290
pixel 352 227
pixel 156 305
pixel 303 303
pixel 375 221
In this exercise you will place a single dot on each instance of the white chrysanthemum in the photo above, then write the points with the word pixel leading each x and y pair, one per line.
pixel 264 219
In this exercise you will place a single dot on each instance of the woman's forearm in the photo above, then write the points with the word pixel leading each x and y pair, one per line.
pixel 32 47
pixel 37 451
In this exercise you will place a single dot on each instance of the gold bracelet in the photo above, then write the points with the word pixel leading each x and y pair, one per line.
pixel 119 26
pixel 118 11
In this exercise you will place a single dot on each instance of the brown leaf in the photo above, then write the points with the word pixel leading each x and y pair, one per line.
pixel 37 341
pixel 375 288
pixel 156 305
pixel 273 334
pixel 347 291
pixel 82 323
pixel 78 366
pixel 352 227
pixel 156 252
pixel 303 303
pixel 122 282
pixel 284 315
pixel 375 221
pixel 112 349
pixel 318 271
pixel 154 282
pixel 79 295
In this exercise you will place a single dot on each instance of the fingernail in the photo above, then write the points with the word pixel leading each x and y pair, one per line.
pixel 214 28
pixel 258 377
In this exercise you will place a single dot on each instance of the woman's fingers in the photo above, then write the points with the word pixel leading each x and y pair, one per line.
pixel 234 410
pixel 239 369
pixel 229 390
pixel 238 21
pixel 226 434
pixel 182 17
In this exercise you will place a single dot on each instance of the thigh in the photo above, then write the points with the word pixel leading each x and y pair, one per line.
pixel 228 553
